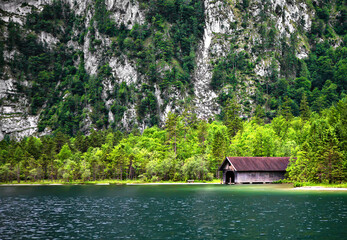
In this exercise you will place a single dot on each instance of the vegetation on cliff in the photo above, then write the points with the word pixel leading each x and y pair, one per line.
pixel 163 51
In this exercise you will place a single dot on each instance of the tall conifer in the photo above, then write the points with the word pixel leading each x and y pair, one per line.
pixel 232 118
pixel 304 108
pixel 286 110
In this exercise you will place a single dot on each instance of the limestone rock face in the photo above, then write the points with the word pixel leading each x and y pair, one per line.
pixel 223 28
pixel 125 11
pixel 14 120
pixel 218 18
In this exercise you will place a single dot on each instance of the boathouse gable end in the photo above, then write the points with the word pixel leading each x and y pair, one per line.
pixel 253 169
pixel 226 166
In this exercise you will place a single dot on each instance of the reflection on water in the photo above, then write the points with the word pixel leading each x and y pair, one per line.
pixel 171 212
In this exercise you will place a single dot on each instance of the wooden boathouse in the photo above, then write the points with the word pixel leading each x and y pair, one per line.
pixel 253 169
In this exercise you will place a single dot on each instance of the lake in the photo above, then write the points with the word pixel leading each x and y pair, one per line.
pixel 171 212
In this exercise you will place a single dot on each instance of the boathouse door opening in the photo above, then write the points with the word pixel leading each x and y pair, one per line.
pixel 229 177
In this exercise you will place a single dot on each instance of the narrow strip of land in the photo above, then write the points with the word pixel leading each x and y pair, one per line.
pixel 178 183
pixel 101 184
pixel 31 184
pixel 318 188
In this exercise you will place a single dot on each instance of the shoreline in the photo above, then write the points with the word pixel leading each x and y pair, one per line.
pixel 303 188
pixel 197 183
pixel 98 184
pixel 319 188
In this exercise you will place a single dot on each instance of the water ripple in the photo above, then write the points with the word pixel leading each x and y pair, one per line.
pixel 145 212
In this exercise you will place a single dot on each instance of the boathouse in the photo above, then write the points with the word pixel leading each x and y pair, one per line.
pixel 253 169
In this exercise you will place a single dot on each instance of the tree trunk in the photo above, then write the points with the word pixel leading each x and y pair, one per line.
pixel 18 174
pixel 175 145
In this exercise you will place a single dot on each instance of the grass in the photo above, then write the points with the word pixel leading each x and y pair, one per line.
pixel 124 182
pixel 309 184
pixel 105 181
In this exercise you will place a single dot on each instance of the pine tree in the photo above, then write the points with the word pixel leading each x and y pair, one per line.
pixel 202 133
pixel 329 156
pixel 320 158
pixel 304 108
pixel 232 118
pixel 304 72
pixel 259 115
pixel 172 129
pixel 219 148
pixel 286 110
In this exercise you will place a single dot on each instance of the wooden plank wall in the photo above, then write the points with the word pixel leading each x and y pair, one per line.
pixel 258 177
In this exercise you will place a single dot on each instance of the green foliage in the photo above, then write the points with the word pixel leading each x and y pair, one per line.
pixel 321 76
pixel 68 93
pixel 304 109
pixel 171 126
pixel 163 49
pixel 286 110
pixel 187 148
pixel 55 18
pixel 225 69
pixel 319 159
pixel 232 118
pixel 196 168
pixel 169 35
pixel 65 153
pixel 102 17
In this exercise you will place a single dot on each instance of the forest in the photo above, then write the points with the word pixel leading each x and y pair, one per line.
pixel 187 148
pixel 298 109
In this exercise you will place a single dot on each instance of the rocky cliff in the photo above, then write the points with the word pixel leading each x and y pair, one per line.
pixel 242 46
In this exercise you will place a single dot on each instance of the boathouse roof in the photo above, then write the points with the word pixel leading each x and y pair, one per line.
pixel 256 163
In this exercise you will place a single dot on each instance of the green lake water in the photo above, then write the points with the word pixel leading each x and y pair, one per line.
pixel 171 212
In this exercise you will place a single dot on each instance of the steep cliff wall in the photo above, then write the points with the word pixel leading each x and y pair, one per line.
pixel 16 119
pixel 244 46
pixel 226 26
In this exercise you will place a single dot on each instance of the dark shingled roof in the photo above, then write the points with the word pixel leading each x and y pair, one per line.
pixel 259 163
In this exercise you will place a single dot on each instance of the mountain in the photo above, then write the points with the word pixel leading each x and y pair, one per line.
pixel 75 65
